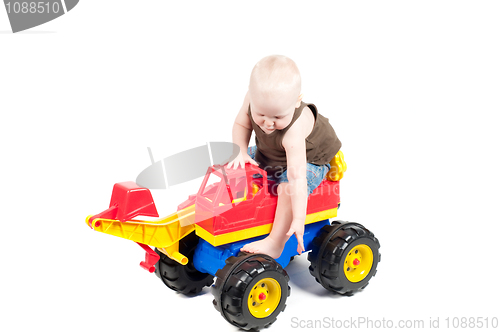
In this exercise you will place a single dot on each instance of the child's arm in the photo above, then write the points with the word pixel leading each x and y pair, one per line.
pixel 295 146
pixel 242 131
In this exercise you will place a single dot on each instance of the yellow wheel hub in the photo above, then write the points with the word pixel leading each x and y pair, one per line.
pixel 264 298
pixel 358 263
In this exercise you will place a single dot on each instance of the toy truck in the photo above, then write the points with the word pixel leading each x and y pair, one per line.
pixel 202 240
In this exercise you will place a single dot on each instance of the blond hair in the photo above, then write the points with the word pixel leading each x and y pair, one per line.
pixel 275 74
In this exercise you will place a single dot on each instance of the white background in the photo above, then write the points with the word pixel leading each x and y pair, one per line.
pixel 412 89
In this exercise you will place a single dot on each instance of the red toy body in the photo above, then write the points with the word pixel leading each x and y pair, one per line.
pixel 216 213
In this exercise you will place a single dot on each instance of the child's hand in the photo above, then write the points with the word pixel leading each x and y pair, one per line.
pixel 297 228
pixel 241 160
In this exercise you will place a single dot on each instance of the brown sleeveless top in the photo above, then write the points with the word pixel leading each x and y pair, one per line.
pixel 322 144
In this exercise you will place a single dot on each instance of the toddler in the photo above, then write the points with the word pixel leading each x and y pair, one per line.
pixel 294 144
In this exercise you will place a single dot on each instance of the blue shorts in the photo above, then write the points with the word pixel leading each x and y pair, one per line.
pixel 315 174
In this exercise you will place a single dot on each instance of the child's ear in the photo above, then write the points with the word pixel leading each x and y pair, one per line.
pixel 299 100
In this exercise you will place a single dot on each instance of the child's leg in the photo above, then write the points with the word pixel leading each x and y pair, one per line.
pixel 251 151
pixel 274 243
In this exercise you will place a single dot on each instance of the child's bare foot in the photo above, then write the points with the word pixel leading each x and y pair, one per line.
pixel 265 246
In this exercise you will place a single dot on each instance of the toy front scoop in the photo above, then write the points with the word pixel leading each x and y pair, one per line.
pixel 128 201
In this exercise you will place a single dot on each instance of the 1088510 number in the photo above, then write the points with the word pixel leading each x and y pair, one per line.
pixel 32 7
pixel 471 322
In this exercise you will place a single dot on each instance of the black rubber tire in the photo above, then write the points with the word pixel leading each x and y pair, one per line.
pixel 236 280
pixel 329 250
pixel 184 279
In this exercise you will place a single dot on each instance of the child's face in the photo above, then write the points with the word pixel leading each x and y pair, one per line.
pixel 273 113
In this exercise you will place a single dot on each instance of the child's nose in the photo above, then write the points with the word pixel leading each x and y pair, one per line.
pixel 268 123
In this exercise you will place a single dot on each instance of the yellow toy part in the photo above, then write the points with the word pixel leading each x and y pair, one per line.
pixel 338 167
pixel 218 240
pixel 239 200
pixel 358 263
pixel 164 233
pixel 264 297
pixel 255 188
pixel 173 253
